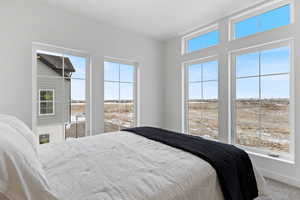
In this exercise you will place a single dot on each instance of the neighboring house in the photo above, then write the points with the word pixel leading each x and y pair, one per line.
pixel 54 96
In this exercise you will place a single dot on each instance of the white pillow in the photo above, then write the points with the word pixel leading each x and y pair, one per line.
pixel 21 128
pixel 21 173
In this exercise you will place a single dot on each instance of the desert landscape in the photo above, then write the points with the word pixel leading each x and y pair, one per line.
pixel 118 115
pixel 77 126
pixel 260 123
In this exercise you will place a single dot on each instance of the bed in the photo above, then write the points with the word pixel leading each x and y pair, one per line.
pixel 116 166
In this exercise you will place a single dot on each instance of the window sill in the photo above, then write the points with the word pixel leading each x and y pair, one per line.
pixel 289 159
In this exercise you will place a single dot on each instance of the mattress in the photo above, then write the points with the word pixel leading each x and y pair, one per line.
pixel 125 166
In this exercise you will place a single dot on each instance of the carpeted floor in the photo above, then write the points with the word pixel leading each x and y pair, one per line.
pixel 280 191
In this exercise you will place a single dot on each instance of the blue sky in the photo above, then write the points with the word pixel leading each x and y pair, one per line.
pixel 119 81
pixel 78 78
pixel 271 62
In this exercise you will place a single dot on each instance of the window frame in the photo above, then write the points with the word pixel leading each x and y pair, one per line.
pixel 198 33
pixel 256 12
pixel 185 91
pixel 37 47
pixel 288 157
pixel 135 86
pixel 46 101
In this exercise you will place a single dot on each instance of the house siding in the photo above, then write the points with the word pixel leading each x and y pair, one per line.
pixel 49 79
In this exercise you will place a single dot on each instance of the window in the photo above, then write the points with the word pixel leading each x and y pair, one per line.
pixel 262 80
pixel 119 96
pixel 46 102
pixel 202 40
pixel 63 110
pixel 202 99
pixel 275 18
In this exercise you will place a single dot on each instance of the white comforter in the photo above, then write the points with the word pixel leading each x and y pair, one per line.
pixel 124 166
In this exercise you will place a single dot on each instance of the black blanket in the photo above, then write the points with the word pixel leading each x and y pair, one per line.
pixel 233 165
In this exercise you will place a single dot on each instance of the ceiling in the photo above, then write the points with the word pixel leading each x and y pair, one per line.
pixel 160 19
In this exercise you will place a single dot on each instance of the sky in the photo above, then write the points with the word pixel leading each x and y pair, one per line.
pixel 271 62
pixel 119 81
pixel 78 77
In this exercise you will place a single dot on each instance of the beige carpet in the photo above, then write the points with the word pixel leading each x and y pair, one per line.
pixel 280 191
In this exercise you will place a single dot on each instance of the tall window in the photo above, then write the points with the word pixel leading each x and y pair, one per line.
pixel 262 99
pixel 202 99
pixel 62 110
pixel 259 23
pixel 119 96
pixel 46 102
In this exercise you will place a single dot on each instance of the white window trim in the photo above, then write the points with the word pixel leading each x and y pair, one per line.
pixel 290 158
pixel 185 89
pixel 202 31
pixel 257 11
pixel 135 85
pixel 52 101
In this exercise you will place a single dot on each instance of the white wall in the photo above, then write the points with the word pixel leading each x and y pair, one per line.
pixel 173 60
pixel 24 22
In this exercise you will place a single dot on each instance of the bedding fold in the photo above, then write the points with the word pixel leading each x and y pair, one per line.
pixel 232 165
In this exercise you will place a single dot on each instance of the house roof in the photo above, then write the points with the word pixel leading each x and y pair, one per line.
pixel 56 63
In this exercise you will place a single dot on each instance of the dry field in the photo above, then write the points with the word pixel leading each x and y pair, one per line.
pixel 261 124
pixel 118 115
pixel 76 129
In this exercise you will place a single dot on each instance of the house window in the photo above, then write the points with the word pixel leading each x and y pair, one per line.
pixel 202 99
pixel 119 96
pixel 46 102
pixel 273 18
pixel 201 40
pixel 262 102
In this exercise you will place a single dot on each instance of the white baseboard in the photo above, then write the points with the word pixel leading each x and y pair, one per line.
pixel 278 177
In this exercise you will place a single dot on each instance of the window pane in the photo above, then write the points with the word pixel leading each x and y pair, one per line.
pixel 275 87
pixel 210 90
pixel 246 27
pixel 46 108
pixel 194 72
pixel 111 107
pixel 111 113
pixel 111 91
pixel 247 88
pixel 119 105
pixel 247 65
pixel 75 67
pixel 203 41
pixel 203 118
pixel 210 71
pixel 247 122
pixel 126 91
pixel 77 88
pixel 111 71
pixel 126 115
pixel 275 61
pixel 126 73
pixel 275 131
pixel 262 106
pixel 76 109
pixel 263 22
pixel 46 95
pixel 275 18
pixel 195 91
pixel 203 100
